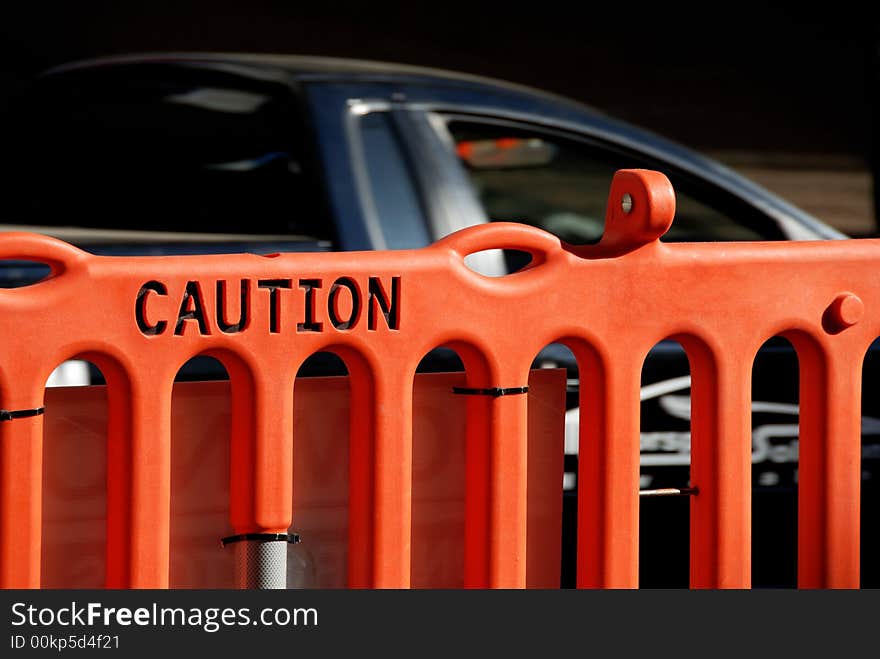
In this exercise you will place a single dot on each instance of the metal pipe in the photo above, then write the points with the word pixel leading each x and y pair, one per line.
pixel 261 559
pixel 670 492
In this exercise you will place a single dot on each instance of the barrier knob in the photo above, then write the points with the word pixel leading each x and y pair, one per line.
pixel 845 311
pixel 641 205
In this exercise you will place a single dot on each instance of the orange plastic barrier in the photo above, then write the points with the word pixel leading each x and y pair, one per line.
pixel 140 319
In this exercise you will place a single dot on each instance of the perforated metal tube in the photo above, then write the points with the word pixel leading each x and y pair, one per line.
pixel 261 560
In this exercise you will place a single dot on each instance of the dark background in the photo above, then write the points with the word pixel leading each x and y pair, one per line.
pixel 786 95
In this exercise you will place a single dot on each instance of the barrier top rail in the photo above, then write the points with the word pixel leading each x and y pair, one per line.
pixel 140 319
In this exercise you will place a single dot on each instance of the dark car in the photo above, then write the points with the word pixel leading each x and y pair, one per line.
pixel 190 153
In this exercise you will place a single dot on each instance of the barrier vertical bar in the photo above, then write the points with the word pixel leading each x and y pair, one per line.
pixel 507 491
pixel 119 465
pixel 139 486
pixel 830 468
pixel 721 467
pixel 496 470
pixel 21 477
pixel 265 464
pixel 608 472
pixel 392 533
pixel 477 470
pixel 22 384
pixel 361 481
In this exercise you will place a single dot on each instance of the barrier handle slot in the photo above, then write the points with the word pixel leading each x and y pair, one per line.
pixel 503 235
pixel 57 254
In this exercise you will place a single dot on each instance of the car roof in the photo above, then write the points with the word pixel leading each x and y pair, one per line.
pixel 315 65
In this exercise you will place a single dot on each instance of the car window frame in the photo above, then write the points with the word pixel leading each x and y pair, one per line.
pixel 365 173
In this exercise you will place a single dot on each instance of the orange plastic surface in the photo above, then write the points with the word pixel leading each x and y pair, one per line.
pixel 74 490
pixel 140 319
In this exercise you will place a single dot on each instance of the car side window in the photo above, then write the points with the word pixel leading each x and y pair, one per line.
pixel 561 185
pixel 165 150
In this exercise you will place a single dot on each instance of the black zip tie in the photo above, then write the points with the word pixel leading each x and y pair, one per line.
pixel 9 415
pixel 292 538
pixel 495 392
